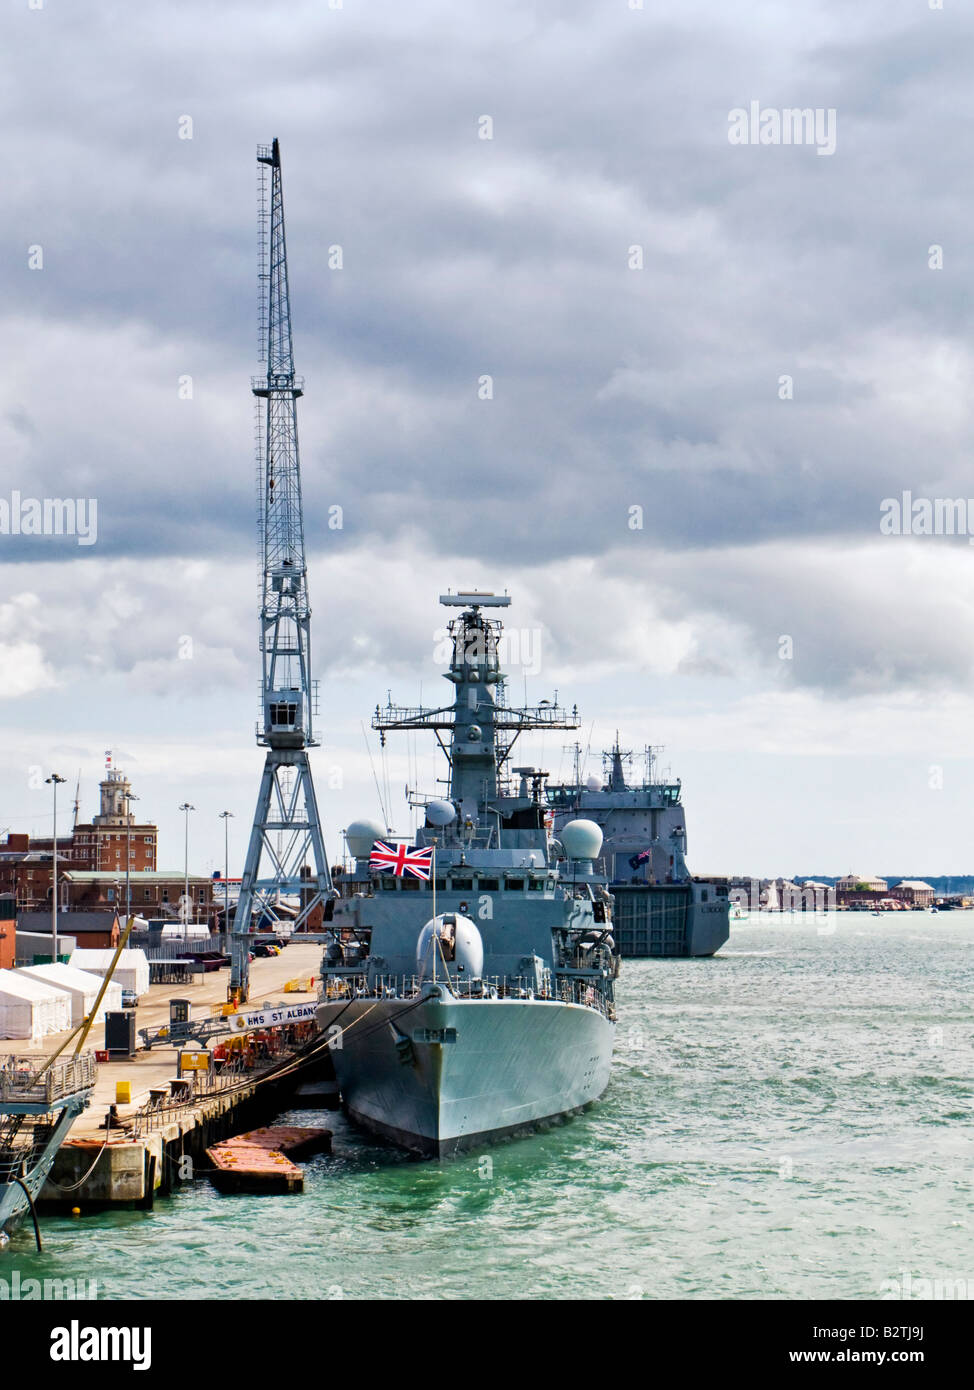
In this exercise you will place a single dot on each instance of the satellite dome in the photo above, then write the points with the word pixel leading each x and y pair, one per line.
pixel 593 784
pixel 582 839
pixel 361 835
pixel 441 813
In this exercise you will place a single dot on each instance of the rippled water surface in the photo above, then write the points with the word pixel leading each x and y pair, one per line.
pixel 790 1119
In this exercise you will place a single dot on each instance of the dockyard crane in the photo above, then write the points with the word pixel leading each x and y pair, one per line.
pixel 286 828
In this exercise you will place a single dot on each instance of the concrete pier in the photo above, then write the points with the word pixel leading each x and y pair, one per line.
pixel 134 1169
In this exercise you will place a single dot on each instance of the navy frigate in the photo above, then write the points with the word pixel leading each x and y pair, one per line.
pixel 661 909
pixel 475 1003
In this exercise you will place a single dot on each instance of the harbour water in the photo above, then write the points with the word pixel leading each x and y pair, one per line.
pixel 791 1119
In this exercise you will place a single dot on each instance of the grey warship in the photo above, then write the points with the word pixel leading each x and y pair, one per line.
pixel 39 1102
pixel 476 1003
pixel 660 908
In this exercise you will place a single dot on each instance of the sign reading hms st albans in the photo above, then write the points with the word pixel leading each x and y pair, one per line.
pixel 274 1018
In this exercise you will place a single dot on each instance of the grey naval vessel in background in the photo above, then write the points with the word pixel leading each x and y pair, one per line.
pixel 40 1098
pixel 478 1002
pixel 660 909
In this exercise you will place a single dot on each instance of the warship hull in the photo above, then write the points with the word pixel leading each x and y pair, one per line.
pixel 39 1103
pixel 447 1075
pixel 32 1169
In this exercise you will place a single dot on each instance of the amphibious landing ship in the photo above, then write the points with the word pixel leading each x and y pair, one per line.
pixel 469 982
pixel 660 908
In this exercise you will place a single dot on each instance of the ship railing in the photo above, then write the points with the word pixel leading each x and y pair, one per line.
pixel 22 1080
pixel 587 992
pixel 23 1139
pixel 197 1086
pixel 341 987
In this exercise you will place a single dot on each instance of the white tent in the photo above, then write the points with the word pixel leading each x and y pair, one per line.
pixel 188 931
pixel 30 1009
pixel 132 971
pixel 80 985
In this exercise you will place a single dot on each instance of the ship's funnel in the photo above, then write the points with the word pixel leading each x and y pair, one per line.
pixel 457 946
pixel 582 839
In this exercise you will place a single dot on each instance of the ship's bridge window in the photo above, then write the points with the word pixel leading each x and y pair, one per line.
pixel 410 885
pixel 536 884
pixel 462 885
pixel 704 895
pixel 441 885
pixel 488 885
pixel 515 885
pixel 388 883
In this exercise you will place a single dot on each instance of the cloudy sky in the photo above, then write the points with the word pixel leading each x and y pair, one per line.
pixel 698 555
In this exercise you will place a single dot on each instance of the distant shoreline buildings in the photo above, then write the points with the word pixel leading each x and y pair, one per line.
pixel 92 864
pixel 850 892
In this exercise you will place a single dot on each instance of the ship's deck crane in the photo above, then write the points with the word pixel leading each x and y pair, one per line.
pixel 286 828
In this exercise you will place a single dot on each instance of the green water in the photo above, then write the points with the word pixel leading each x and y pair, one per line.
pixel 791 1119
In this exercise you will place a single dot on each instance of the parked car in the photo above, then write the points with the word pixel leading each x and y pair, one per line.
pixel 129 998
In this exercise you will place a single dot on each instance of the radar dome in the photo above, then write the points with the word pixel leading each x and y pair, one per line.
pixel 441 813
pixel 582 839
pixel 593 784
pixel 361 835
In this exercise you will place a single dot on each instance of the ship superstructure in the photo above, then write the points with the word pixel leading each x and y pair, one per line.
pixel 478 1002
pixel 660 908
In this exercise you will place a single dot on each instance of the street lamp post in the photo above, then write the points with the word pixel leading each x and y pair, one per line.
pixel 128 854
pixel 187 807
pixel 53 780
pixel 226 817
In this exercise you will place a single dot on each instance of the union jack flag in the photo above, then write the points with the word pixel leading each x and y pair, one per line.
pixel 401 860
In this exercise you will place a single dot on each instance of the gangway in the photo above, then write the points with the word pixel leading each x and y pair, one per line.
pixel 204 1030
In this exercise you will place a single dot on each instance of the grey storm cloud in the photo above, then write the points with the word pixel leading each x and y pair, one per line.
pixel 612 387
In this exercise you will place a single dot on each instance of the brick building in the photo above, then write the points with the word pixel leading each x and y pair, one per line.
pixel 155 893
pixel 95 929
pixel 8 932
pixel 860 890
pixel 113 839
pixel 914 891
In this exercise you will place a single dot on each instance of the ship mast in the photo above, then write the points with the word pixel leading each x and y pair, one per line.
pixel 482 727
